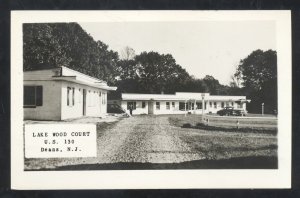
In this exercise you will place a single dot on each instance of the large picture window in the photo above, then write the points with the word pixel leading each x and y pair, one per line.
pixel 33 96
pixel 182 106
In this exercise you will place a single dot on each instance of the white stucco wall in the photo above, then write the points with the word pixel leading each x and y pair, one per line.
pixel 50 110
pixel 55 82
pixel 138 110
pixel 175 110
pixel 94 105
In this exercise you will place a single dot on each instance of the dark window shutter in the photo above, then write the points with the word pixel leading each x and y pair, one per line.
pixel 29 95
pixel 39 96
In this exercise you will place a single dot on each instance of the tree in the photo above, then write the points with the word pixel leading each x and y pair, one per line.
pixel 258 73
pixel 127 53
pixel 126 69
pixel 41 49
pixel 48 45
pixel 156 72
pixel 258 68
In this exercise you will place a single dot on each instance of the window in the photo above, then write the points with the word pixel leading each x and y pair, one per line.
pixel 70 96
pixel 103 98
pixel 199 105
pixel 143 105
pixel 173 104
pixel 181 106
pixel 33 96
pixel 79 96
pixel 131 105
pixel 167 105
pixel 157 105
pixel 210 104
pixel 222 104
pixel 192 106
pixel 215 105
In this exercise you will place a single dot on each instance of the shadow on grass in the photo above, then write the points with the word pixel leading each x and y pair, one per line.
pixel 255 162
pixel 230 129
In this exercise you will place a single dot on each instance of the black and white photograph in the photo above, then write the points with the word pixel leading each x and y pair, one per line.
pixel 152 91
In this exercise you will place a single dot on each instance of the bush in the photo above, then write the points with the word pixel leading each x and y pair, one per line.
pixel 187 125
pixel 200 124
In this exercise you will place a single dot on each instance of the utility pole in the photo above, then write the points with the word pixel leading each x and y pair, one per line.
pixel 202 95
pixel 185 107
pixel 262 108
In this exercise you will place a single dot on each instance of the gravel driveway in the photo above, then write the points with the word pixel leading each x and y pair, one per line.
pixel 137 139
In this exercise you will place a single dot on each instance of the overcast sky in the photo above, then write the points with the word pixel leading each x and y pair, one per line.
pixel 202 48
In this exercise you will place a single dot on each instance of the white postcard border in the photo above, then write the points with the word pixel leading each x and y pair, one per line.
pixel 152 179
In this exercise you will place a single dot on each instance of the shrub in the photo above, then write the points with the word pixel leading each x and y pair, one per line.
pixel 200 124
pixel 187 125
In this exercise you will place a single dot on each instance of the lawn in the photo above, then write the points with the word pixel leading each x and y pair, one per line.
pixel 219 143
pixel 224 123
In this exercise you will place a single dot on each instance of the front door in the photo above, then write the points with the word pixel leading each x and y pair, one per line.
pixel 150 107
pixel 84 102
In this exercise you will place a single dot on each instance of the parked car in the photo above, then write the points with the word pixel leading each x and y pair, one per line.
pixel 240 112
pixel 231 111
pixel 225 111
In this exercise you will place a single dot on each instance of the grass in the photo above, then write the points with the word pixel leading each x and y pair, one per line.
pixel 218 143
pixel 218 146
pixel 225 123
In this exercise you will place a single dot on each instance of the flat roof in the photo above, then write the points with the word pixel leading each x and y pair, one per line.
pixel 181 96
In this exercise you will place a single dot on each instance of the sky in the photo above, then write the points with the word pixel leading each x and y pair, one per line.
pixel 201 47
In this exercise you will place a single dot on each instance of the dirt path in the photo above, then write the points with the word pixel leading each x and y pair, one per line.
pixel 151 140
pixel 143 139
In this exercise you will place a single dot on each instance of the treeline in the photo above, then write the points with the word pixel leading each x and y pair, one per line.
pixel 257 75
pixel 48 45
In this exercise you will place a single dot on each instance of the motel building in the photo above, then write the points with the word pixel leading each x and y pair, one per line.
pixel 62 93
pixel 179 103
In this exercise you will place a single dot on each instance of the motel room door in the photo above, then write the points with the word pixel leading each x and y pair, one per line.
pixel 84 102
pixel 150 107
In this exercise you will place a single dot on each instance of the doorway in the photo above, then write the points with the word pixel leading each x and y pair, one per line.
pixel 84 102
pixel 150 107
